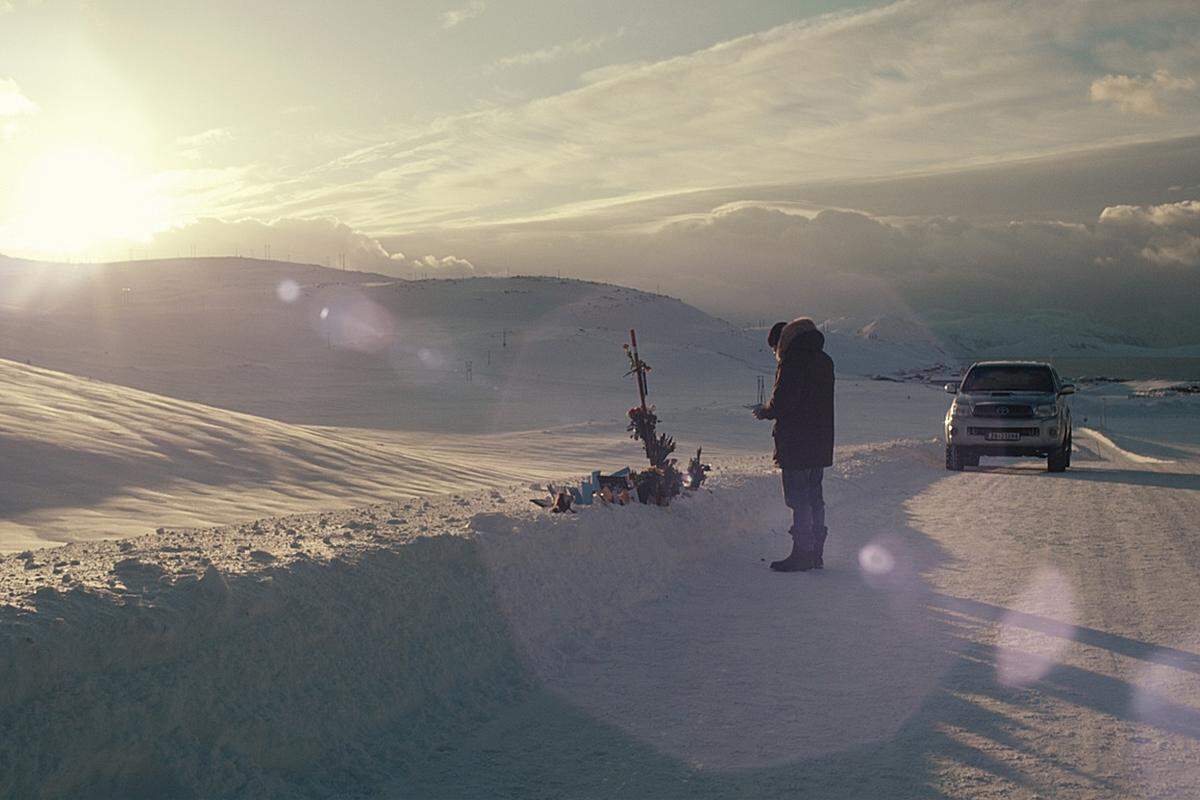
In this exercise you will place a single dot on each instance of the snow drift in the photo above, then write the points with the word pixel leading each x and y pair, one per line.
pixel 335 654
pixel 304 679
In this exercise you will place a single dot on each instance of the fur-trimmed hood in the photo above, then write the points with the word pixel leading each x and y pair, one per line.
pixel 799 334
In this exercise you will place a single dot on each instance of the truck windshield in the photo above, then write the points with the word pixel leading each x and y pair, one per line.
pixel 1008 378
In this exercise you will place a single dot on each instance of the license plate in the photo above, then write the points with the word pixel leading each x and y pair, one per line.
pixel 1002 436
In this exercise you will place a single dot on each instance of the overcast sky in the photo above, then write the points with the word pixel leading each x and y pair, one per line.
pixel 497 135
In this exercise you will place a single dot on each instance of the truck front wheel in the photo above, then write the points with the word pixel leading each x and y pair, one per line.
pixel 954 458
pixel 1060 459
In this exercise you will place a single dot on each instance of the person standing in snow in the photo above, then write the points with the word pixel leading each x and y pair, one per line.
pixel 801 405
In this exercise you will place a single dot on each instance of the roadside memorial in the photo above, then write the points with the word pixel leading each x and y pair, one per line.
pixel 662 480
pixel 656 485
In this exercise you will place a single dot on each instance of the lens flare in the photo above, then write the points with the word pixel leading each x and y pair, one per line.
pixel 288 290
pixel 354 322
pixel 1037 630
pixel 430 358
pixel 874 559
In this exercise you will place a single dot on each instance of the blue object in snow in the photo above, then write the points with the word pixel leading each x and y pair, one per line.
pixel 588 488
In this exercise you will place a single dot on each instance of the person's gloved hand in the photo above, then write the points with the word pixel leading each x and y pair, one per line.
pixel 758 412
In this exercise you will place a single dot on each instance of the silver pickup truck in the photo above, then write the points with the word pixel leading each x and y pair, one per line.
pixel 1009 408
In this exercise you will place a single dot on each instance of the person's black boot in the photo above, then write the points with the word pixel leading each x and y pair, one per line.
pixel 801 557
pixel 819 550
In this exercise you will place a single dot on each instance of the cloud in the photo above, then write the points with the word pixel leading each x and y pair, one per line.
pixel 611 71
pixel 318 241
pixel 1136 240
pixel 197 145
pixel 949 83
pixel 446 266
pixel 13 103
pixel 1139 95
pixel 1169 234
pixel 1135 268
pixel 326 241
pixel 779 131
pixel 456 16
pixel 575 47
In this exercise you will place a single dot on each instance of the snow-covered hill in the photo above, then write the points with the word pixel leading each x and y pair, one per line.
pixel 306 344
pixel 1053 335
pixel 884 346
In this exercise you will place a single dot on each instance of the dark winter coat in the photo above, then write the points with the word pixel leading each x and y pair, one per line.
pixel 802 401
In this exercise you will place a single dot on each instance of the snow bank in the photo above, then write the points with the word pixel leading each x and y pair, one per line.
pixel 283 676
pixel 299 655
pixel 1106 442
pixel 561 577
pixel 303 655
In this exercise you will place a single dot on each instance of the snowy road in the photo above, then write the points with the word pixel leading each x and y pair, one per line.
pixel 1074 600
pixel 1002 632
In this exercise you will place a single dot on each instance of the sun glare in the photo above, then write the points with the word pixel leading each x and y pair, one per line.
pixel 78 199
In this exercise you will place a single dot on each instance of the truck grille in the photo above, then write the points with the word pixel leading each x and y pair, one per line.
pixel 1002 410
pixel 974 431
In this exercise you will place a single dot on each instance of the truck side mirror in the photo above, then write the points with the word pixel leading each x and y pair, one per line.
pixel 951 388
pixel 1068 388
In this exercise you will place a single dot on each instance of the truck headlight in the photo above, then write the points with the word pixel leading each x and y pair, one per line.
pixel 1045 411
pixel 961 409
